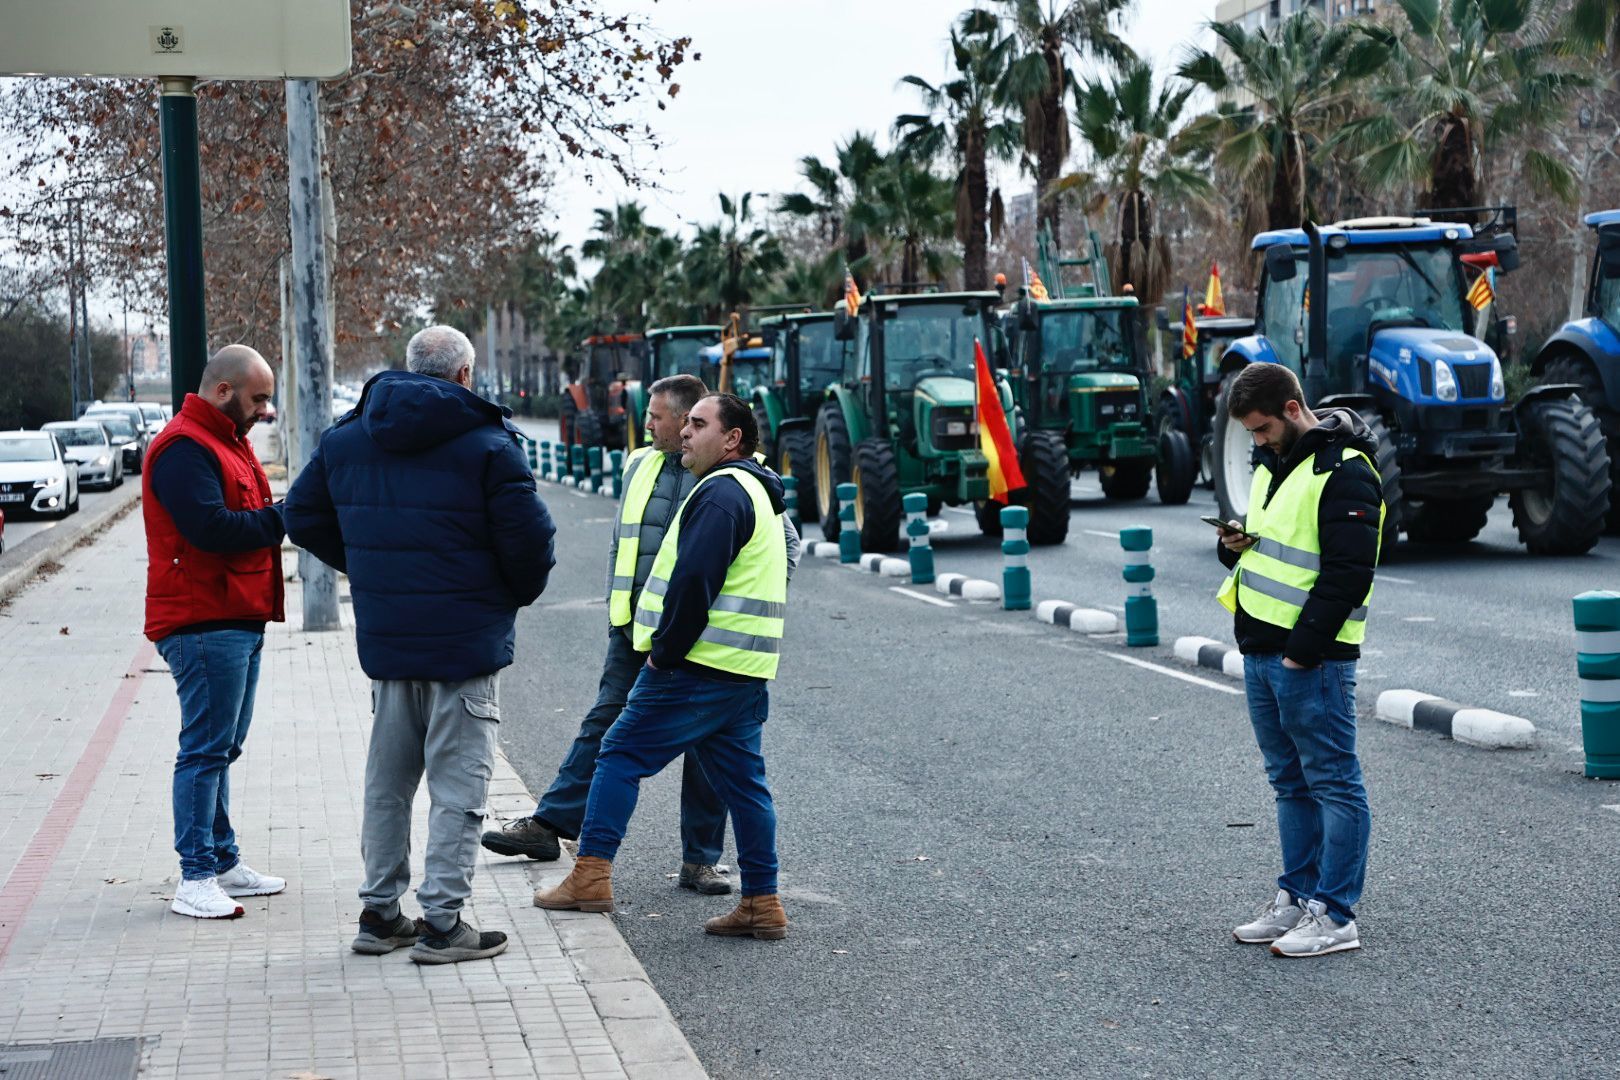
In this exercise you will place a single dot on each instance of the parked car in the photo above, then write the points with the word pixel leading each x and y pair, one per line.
pixel 126 408
pixel 36 475
pixel 153 412
pixel 88 445
pixel 125 438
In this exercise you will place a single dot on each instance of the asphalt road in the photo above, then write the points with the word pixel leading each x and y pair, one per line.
pixel 20 525
pixel 1009 852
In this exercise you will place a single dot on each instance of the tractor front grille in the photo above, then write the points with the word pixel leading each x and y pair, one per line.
pixel 953 428
pixel 1473 380
pixel 1117 407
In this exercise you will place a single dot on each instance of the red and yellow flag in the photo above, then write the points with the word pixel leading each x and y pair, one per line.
pixel 852 295
pixel 995 438
pixel 1214 301
pixel 1189 327
pixel 1481 294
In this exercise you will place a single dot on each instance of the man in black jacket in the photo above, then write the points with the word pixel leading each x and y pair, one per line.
pixel 1302 573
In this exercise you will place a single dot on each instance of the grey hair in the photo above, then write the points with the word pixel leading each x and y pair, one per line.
pixel 440 351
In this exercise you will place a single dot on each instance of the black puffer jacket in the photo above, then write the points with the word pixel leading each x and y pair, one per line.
pixel 1347 519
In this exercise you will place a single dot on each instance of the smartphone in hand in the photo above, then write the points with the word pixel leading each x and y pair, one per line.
pixel 1226 527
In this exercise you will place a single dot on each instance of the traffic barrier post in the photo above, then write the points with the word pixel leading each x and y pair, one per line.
pixel 921 551
pixel 1015 558
pixel 849 537
pixel 1141 610
pixel 1597 662
pixel 616 480
pixel 790 499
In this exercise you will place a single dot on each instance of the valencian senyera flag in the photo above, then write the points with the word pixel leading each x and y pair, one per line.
pixel 1481 294
pixel 1189 327
pixel 995 438
pixel 852 295
pixel 1033 285
pixel 1214 301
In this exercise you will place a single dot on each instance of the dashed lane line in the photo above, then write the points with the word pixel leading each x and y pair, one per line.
pixel 1100 532
pixel 1396 580
pixel 1174 674
pixel 924 597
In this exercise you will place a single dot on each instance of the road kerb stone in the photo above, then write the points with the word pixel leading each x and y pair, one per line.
pixel 1079 619
pixel 1485 728
pixel 19 564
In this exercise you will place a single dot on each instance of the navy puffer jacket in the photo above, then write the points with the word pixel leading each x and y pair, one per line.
pixel 423 496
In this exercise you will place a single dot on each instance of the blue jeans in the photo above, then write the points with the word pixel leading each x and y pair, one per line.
pixel 562 807
pixel 1305 723
pixel 674 712
pixel 215 674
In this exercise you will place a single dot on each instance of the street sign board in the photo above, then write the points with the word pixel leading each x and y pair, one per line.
pixel 206 39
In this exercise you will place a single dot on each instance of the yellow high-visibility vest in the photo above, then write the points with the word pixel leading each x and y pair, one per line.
pixel 643 479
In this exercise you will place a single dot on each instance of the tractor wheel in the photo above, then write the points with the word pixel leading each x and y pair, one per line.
pixel 1233 459
pixel 588 426
pixel 1175 471
pixel 877 495
pixel 1571 369
pixel 767 441
pixel 1565 518
pixel 988 513
pixel 1045 463
pixel 832 465
pixel 566 413
pixel 796 457
pixel 1448 521
pixel 1126 480
pixel 1389 472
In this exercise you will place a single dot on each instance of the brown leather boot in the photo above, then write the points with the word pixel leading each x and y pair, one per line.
pixel 588 888
pixel 761 916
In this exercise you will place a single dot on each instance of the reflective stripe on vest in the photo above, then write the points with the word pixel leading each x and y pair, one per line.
pixel 1273 578
pixel 641 479
pixel 744 631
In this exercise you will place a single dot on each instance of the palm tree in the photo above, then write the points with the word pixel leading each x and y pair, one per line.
pixel 637 281
pixel 1045 32
pixel 1299 75
pixel 1467 75
pixel 1131 132
pixel 732 260
pixel 964 124
pixel 910 220
pixel 835 190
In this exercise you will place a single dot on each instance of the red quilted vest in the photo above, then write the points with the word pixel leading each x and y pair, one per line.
pixel 184 584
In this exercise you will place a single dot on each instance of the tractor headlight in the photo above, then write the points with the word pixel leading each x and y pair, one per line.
pixel 1498 383
pixel 1445 383
pixel 956 427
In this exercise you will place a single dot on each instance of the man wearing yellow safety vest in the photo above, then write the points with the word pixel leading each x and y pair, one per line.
pixel 655 485
pixel 1302 575
pixel 711 620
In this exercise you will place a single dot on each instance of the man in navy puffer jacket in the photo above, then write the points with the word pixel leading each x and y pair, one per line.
pixel 423 496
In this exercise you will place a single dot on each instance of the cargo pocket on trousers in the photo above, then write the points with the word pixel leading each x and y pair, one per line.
pixel 478 737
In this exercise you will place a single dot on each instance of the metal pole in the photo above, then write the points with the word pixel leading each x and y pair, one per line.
pixel 182 228
pixel 84 305
pixel 312 331
pixel 73 318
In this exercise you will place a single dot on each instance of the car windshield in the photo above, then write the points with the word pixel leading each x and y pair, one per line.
pixel 152 412
pixel 117 425
pixel 930 339
pixel 1382 284
pixel 1608 296
pixel 748 375
pixel 78 434
pixel 679 356
pixel 1085 340
pixel 821 357
pixel 25 448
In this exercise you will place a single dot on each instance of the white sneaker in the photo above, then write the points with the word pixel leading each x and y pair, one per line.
pixel 243 880
pixel 1317 935
pixel 1275 919
pixel 202 898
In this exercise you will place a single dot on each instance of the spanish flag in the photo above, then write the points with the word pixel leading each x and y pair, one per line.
pixel 852 295
pixel 1481 294
pixel 995 439
pixel 1033 283
pixel 1189 328
pixel 1214 302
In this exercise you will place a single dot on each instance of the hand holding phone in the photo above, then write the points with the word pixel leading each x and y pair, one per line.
pixel 1234 538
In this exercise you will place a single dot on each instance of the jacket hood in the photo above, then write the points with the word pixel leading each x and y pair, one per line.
pixel 772 482
pixel 405 413
pixel 1337 428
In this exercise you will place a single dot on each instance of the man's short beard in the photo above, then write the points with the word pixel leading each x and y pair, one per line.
pixel 233 409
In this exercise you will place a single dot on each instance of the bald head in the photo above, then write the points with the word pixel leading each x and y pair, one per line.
pixel 238 383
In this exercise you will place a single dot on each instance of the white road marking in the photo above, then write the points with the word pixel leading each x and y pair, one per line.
pixel 1174 674
pixel 1524 693
pixel 1111 607
pixel 1099 532
pixel 957 510
pixel 924 597
pixel 1418 618
pixel 1396 580
pixel 1612 806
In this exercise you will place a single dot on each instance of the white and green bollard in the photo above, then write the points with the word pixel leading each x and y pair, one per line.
pixel 1597 662
pixel 545 460
pixel 1015 558
pixel 790 499
pixel 593 465
pixel 533 449
pixel 849 536
pixel 616 480
pixel 1141 610
pixel 576 464
pixel 921 551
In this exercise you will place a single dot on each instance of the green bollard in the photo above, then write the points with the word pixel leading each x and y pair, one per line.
pixel 1597 662
pixel 576 464
pixel 790 498
pixel 534 455
pixel 616 460
pixel 1141 610
pixel 545 459
pixel 921 551
pixel 849 537
pixel 593 462
pixel 1015 558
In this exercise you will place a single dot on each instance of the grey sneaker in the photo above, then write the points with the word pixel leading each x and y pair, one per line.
pixel 460 942
pixel 1275 919
pixel 523 836
pixel 1317 935
pixel 704 879
pixel 378 936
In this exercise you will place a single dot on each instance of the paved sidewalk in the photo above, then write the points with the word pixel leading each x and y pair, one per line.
pixel 90 950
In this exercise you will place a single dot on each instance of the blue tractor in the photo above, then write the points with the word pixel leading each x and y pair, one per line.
pixel 1372 315
pixel 1586 352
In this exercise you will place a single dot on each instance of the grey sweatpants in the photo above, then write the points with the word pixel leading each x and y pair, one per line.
pixel 449 730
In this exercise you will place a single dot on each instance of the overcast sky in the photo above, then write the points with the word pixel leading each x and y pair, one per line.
pixel 785 78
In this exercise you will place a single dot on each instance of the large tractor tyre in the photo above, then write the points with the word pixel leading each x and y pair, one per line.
pixel 1573 369
pixel 832 465
pixel 767 441
pixel 877 495
pixel 796 457
pixel 1045 462
pixel 567 411
pixel 1562 435
pixel 588 426
pixel 1176 470
pixel 1448 521
pixel 1389 472
pixel 1232 458
pixel 1124 481
pixel 988 514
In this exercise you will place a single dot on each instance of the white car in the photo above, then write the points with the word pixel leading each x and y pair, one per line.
pixel 36 475
pixel 86 443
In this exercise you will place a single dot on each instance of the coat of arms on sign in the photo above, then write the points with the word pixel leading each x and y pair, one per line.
pixel 167 39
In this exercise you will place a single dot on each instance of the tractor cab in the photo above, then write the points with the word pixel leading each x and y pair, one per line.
pixel 806 358
pixel 1077 362
pixel 592 411
pixel 670 350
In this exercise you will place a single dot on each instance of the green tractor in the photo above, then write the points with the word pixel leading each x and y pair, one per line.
pixel 670 350
pixel 806 359
pixel 1188 403
pixel 907 422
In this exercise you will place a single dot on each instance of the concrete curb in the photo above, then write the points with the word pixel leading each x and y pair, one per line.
pixel 823 549
pixel 1477 727
pixel 649 1043
pixel 1080 620
pixel 20 564
pixel 887 565
pixel 967 588
pixel 1208 653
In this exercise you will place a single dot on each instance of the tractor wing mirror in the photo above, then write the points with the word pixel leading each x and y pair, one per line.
pixel 1608 247
pixel 1280 263
pixel 1506 247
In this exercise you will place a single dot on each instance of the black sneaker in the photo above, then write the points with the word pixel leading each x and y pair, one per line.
pixel 704 879
pixel 523 836
pixel 460 942
pixel 378 936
